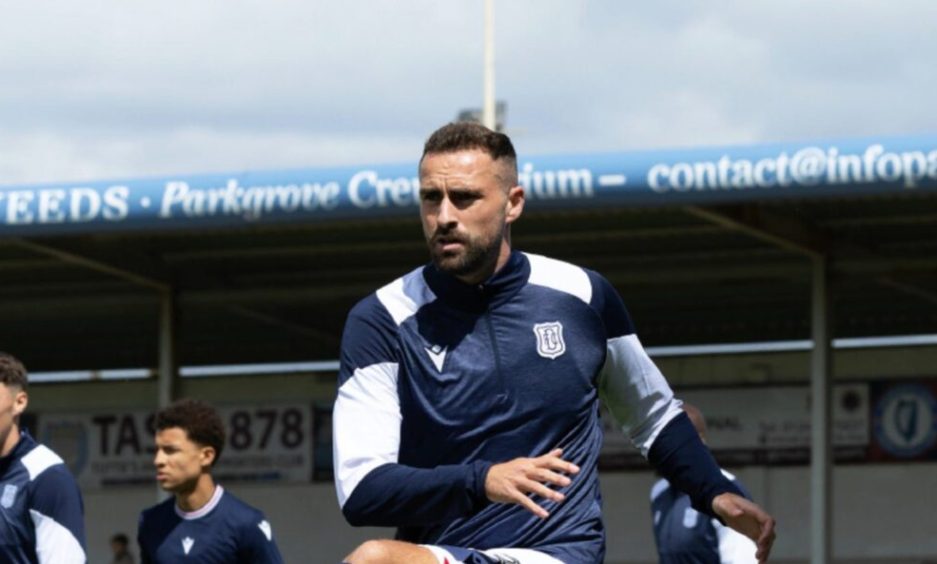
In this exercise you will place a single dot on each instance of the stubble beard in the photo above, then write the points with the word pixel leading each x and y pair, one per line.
pixel 477 256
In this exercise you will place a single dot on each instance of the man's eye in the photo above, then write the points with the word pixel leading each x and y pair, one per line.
pixel 463 199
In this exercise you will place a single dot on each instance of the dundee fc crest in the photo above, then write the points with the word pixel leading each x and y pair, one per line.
pixel 550 342
pixel 9 496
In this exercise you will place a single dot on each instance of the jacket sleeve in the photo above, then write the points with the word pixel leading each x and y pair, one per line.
pixel 642 403
pixel 57 514
pixel 373 488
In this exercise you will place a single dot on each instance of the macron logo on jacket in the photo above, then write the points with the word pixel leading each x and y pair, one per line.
pixel 438 355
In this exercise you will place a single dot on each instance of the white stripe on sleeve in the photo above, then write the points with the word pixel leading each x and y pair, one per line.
pixel 55 544
pixel 635 392
pixel 365 425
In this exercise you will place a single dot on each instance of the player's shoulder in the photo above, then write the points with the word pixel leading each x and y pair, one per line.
pixel 396 300
pixel 404 296
pixel 244 518
pixel 159 511
pixel 238 509
pixel 40 460
pixel 562 276
pixel 659 488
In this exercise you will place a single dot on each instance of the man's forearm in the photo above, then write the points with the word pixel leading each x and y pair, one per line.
pixel 681 457
pixel 394 495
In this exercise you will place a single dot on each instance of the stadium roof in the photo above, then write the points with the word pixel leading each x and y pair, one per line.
pixel 706 246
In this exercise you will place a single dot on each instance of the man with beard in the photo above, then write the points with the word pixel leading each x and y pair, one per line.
pixel 466 412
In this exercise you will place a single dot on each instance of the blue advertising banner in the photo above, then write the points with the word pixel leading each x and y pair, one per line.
pixel 648 178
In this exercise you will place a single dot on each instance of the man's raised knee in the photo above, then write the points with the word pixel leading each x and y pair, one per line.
pixel 390 552
pixel 370 552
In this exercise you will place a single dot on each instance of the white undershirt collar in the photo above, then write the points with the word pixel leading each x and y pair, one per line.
pixel 203 510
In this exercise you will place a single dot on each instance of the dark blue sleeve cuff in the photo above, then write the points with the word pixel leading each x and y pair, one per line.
pixel 681 457
pixel 394 495
pixel 480 474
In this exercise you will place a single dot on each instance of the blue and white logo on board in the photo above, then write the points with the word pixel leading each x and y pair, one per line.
pixel 550 342
pixel 906 420
pixel 9 496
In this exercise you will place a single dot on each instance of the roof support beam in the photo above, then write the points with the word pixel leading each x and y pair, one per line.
pixel 93 264
pixel 284 324
pixel 926 295
pixel 801 237
pixel 791 235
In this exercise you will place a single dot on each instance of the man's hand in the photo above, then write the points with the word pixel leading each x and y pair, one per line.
pixel 748 519
pixel 510 482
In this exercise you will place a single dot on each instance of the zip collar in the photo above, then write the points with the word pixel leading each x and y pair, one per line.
pixel 499 288
pixel 23 446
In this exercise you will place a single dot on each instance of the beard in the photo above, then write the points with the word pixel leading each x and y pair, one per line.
pixel 476 255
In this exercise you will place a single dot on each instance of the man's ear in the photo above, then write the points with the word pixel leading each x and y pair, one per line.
pixel 20 401
pixel 208 455
pixel 515 204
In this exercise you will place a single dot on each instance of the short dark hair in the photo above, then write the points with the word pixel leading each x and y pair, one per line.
pixel 466 135
pixel 12 371
pixel 463 135
pixel 199 420
pixel 120 538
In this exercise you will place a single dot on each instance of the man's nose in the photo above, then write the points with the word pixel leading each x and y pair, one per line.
pixel 446 214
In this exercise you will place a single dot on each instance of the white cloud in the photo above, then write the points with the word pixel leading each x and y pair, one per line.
pixel 106 88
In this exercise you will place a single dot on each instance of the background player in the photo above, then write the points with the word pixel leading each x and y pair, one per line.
pixel 684 535
pixel 202 522
pixel 120 549
pixel 40 502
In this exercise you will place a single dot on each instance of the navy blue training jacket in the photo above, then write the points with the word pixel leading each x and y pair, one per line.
pixel 439 380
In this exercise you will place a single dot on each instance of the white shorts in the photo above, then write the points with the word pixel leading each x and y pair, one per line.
pixel 453 555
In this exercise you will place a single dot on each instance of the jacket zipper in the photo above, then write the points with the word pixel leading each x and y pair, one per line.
pixel 497 354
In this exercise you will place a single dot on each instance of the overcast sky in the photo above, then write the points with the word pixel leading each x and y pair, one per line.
pixel 104 89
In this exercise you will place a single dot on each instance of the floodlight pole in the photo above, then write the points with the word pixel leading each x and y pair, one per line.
pixel 821 388
pixel 488 97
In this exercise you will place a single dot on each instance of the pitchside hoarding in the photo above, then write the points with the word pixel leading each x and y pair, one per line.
pixel 879 421
pixel 873 422
pixel 116 447
pixel 693 176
